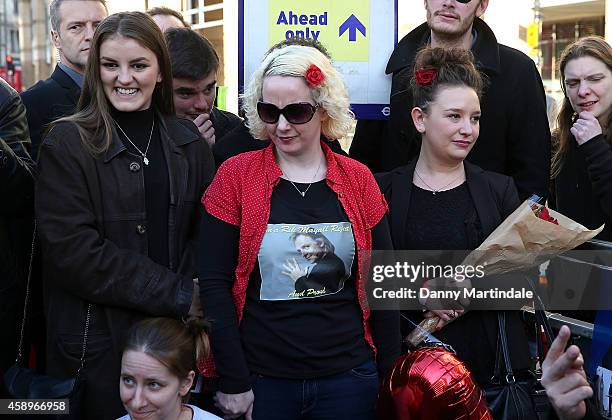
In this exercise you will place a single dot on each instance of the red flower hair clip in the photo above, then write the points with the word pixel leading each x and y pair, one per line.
pixel 425 77
pixel 314 76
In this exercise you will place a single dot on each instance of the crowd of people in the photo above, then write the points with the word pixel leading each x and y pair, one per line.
pixel 178 249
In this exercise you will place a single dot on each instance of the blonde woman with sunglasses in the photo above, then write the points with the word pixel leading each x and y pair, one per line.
pixel 280 215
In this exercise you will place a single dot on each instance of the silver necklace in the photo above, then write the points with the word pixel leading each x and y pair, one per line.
pixel 303 193
pixel 434 190
pixel 144 155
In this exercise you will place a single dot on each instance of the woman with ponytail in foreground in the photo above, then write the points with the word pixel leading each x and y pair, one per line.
pixel 158 369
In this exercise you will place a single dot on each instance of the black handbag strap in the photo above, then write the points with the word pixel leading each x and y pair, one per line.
pixel 502 352
pixel 498 351
pixel 19 358
pixel 542 326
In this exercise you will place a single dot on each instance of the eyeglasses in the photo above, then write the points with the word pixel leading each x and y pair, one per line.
pixel 298 113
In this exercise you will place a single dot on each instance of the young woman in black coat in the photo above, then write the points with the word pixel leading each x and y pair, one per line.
pixel 582 163
pixel 116 205
pixel 581 185
pixel 441 202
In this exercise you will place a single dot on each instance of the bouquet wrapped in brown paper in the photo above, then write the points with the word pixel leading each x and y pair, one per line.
pixel 531 235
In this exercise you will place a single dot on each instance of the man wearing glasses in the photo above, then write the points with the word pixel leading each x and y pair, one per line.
pixel 514 133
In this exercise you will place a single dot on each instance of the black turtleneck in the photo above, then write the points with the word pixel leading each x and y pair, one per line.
pixel 137 126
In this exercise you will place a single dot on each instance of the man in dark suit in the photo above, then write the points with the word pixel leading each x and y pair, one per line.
pixel 514 134
pixel 73 23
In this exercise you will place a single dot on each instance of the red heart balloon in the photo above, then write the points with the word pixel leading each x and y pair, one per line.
pixel 431 383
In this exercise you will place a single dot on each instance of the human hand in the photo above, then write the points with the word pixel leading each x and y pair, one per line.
pixel 195 310
pixel 446 294
pixel 564 379
pixel 205 127
pixel 235 405
pixel 293 270
pixel 585 127
pixel 446 316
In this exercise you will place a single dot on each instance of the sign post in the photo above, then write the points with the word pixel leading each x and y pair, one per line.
pixel 359 35
pixel 533 34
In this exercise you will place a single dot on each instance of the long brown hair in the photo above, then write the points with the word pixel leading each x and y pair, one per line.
pixel 590 46
pixel 92 117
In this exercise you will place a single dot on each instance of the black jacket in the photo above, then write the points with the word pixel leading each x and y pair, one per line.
pixel 495 197
pixel 326 273
pixel 583 189
pixel 93 233
pixel 223 122
pixel 514 135
pixel 47 101
pixel 17 175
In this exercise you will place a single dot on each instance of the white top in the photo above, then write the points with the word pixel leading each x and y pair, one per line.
pixel 198 414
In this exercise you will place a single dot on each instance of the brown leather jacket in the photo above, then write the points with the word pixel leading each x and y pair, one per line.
pixel 93 233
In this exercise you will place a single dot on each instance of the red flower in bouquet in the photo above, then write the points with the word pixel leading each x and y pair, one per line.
pixel 314 76
pixel 425 77
pixel 544 214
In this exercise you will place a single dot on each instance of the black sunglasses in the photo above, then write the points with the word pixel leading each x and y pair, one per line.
pixel 298 113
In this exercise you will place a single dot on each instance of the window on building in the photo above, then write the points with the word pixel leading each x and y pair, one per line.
pixel 558 35
pixel 202 14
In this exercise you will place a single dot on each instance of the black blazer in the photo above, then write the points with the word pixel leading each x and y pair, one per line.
pixel 474 335
pixel 47 101
pixel 494 195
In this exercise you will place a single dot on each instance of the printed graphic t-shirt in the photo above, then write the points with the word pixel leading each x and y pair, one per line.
pixel 302 318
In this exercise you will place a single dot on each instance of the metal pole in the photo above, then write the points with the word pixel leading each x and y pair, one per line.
pixel 537 18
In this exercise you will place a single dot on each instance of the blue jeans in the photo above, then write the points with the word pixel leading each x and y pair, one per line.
pixel 347 395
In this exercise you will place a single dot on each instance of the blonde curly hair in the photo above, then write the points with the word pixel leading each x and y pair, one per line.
pixel 294 60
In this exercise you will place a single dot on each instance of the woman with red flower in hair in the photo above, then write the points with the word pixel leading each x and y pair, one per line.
pixel 442 202
pixel 283 350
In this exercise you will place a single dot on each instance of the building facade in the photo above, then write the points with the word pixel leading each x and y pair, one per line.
pixel 25 23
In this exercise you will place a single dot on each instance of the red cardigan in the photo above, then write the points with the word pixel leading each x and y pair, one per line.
pixel 240 195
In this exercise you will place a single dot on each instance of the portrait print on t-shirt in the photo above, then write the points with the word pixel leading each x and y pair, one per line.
pixel 305 261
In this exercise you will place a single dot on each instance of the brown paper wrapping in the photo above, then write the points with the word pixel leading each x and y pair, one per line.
pixel 521 241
